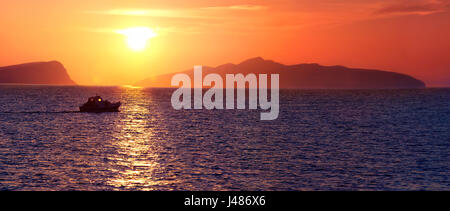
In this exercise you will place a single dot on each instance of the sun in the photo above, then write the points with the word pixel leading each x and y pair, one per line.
pixel 137 37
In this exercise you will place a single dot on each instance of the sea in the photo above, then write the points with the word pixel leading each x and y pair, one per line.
pixel 322 140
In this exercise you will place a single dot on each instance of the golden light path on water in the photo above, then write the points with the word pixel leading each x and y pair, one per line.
pixel 138 148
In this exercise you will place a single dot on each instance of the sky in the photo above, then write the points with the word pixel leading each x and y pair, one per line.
pixel 405 36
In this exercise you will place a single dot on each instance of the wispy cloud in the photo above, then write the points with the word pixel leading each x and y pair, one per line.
pixel 238 7
pixel 202 12
pixel 418 7
pixel 147 13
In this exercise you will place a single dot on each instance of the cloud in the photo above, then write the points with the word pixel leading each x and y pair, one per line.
pixel 204 12
pixel 238 7
pixel 146 13
pixel 418 7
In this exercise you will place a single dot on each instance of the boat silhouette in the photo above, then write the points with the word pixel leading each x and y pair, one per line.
pixel 97 104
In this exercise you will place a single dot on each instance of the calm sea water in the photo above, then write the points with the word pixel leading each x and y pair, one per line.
pixel 322 140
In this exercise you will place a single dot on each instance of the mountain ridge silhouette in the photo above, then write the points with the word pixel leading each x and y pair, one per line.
pixel 50 73
pixel 303 76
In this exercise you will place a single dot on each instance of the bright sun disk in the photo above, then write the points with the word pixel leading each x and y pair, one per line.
pixel 137 37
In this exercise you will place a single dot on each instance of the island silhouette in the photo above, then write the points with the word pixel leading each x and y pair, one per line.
pixel 303 76
pixel 298 76
pixel 51 73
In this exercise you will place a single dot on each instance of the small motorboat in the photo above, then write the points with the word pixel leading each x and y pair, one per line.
pixel 97 104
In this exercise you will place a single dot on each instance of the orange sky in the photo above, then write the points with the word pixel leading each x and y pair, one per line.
pixel 407 36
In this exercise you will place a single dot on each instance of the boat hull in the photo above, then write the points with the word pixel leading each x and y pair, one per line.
pixel 95 109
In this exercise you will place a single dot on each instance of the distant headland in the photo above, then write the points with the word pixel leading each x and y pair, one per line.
pixel 299 76
pixel 50 73
pixel 304 76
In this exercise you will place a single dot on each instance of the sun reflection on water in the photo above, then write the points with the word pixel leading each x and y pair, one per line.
pixel 136 161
